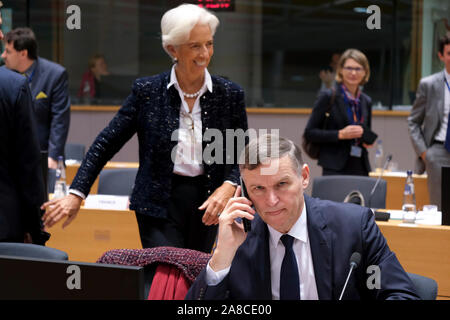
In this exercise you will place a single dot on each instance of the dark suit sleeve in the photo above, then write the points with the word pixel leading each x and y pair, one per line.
pixel 28 162
pixel 395 283
pixel 201 291
pixel 314 129
pixel 239 120
pixel 121 128
pixel 60 117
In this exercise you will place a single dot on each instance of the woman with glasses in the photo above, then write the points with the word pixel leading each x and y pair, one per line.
pixel 180 189
pixel 341 119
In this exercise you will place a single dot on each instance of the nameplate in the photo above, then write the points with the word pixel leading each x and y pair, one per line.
pixel 106 202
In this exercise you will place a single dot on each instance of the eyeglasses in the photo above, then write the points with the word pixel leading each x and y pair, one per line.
pixel 356 69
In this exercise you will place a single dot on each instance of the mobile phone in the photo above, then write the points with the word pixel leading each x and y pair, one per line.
pixel 247 224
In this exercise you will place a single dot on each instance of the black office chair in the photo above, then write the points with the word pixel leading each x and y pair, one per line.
pixel 118 182
pixel 426 288
pixel 337 188
pixel 31 251
pixel 74 151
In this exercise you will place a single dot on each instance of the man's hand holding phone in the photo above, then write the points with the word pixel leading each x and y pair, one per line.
pixel 231 233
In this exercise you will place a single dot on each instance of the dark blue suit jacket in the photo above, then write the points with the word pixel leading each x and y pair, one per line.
pixel 21 180
pixel 335 230
pixel 53 111
pixel 153 111
pixel 334 153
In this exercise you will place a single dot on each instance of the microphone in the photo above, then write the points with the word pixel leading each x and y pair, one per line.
pixel 386 163
pixel 355 259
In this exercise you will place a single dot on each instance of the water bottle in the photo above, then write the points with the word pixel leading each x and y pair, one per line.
pixel 60 183
pixel 409 200
pixel 379 156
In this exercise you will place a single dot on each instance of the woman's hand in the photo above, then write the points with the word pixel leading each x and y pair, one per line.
pixel 351 132
pixel 216 202
pixel 57 209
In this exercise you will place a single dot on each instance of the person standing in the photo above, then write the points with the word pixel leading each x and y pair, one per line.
pixel 347 112
pixel 21 179
pixel 48 83
pixel 428 124
pixel 178 194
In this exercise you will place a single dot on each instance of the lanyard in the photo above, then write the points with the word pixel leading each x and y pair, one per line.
pixel 351 110
pixel 445 80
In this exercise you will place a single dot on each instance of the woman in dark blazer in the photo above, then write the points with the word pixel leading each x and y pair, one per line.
pixel 181 185
pixel 346 135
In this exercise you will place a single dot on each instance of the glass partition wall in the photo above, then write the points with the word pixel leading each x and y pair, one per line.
pixel 275 49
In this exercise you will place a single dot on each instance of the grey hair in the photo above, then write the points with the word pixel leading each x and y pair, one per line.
pixel 177 23
pixel 267 147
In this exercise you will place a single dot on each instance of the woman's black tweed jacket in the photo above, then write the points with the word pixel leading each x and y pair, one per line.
pixel 152 111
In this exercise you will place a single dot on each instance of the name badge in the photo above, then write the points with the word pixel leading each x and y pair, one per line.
pixel 356 151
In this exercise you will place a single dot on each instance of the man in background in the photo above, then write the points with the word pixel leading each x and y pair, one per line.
pixel 21 180
pixel 48 83
pixel 428 124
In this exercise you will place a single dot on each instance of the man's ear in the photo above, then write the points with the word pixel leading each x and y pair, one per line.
pixel 305 176
pixel 23 53
pixel 440 56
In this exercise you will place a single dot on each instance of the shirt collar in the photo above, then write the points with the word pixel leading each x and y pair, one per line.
pixel 30 70
pixel 299 230
pixel 447 76
pixel 174 81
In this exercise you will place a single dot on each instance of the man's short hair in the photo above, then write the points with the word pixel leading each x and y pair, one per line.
pixel 23 39
pixel 267 147
pixel 445 40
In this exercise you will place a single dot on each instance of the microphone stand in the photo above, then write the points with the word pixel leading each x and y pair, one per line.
pixel 388 159
pixel 346 281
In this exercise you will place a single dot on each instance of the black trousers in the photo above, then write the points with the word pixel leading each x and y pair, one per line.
pixel 183 228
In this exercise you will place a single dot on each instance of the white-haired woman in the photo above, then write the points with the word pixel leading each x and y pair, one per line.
pixel 178 193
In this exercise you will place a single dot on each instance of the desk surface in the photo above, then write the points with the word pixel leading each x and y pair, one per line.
pixel 396 184
pixel 94 232
pixel 424 249
pixel 71 171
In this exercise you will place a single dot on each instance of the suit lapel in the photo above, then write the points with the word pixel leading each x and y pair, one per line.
pixel 261 256
pixel 321 249
pixel 35 87
pixel 439 92
pixel 342 108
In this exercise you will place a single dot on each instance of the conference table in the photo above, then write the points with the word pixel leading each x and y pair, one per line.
pixel 422 249
pixel 396 185
pixel 72 168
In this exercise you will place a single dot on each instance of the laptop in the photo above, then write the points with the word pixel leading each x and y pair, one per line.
pixel 32 278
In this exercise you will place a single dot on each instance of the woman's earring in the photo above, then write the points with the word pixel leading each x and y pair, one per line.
pixel 175 60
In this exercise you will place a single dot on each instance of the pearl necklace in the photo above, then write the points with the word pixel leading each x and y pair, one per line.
pixel 191 95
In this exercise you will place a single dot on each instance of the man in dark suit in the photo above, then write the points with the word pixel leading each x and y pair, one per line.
pixel 319 237
pixel 21 181
pixel 49 89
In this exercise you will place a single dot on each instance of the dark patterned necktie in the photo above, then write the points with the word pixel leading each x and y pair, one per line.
pixel 289 279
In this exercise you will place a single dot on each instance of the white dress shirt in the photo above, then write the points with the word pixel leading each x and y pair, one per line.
pixel 442 133
pixel 302 250
pixel 188 159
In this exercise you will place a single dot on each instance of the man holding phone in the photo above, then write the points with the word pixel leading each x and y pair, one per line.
pixel 298 247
